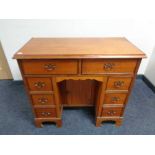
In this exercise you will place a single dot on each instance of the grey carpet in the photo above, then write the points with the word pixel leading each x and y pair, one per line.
pixel 16 116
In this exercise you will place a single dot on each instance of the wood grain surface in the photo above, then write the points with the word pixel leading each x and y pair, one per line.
pixel 47 48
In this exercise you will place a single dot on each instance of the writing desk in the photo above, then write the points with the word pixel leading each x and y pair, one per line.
pixel 78 72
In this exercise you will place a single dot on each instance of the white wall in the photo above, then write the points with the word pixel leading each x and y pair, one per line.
pixel 150 69
pixel 15 33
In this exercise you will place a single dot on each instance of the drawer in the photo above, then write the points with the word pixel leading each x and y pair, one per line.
pixel 115 98
pixel 101 66
pixel 112 112
pixel 43 99
pixel 45 112
pixel 50 66
pixel 39 84
pixel 119 83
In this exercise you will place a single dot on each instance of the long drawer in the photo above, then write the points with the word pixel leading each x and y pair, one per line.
pixel 101 66
pixel 48 67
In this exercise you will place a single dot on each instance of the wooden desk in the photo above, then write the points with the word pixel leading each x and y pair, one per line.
pixel 78 72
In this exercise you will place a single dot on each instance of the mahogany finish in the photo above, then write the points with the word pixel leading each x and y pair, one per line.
pixel 45 112
pixel 78 93
pixel 115 98
pixel 112 112
pixel 68 48
pixel 50 66
pixel 118 83
pixel 102 66
pixel 39 84
pixel 43 99
pixel 78 72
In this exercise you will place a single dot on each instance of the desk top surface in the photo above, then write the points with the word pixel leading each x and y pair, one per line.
pixel 74 48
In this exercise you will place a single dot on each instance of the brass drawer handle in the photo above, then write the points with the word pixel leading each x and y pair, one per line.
pixel 118 84
pixel 42 100
pixel 115 99
pixel 49 67
pixel 39 84
pixel 111 112
pixel 108 66
pixel 45 113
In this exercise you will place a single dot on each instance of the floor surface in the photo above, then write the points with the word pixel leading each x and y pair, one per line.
pixel 16 116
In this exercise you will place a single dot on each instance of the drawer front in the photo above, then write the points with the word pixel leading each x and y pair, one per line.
pixel 43 99
pixel 112 112
pixel 108 66
pixel 119 83
pixel 39 84
pixel 50 66
pixel 115 98
pixel 45 112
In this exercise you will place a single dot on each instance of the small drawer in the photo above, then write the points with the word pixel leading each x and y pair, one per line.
pixel 45 112
pixel 101 66
pixel 43 99
pixel 115 98
pixel 39 84
pixel 112 112
pixel 50 66
pixel 118 83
